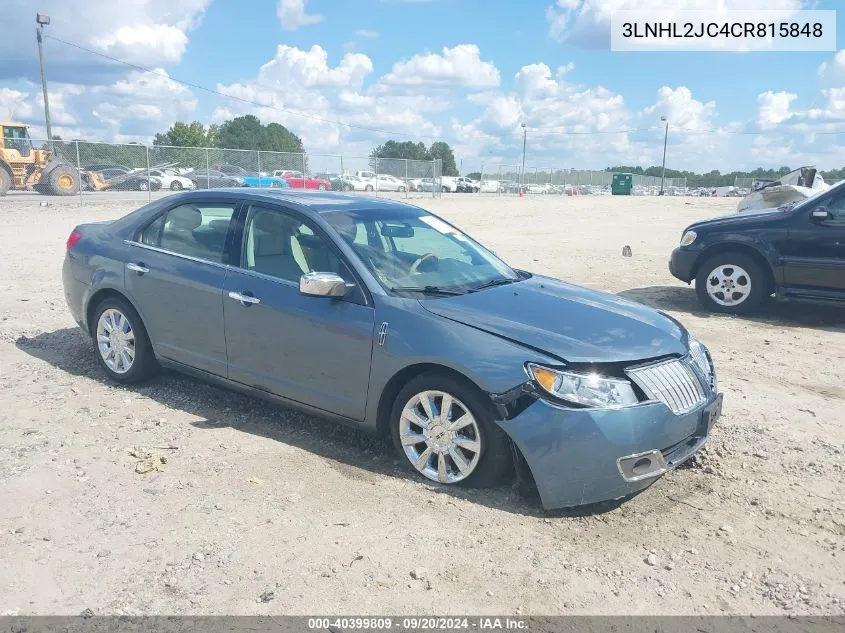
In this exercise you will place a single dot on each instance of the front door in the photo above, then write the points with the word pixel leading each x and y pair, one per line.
pixel 314 350
pixel 814 257
pixel 175 275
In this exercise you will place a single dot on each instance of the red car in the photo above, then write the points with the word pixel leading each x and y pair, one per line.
pixel 296 180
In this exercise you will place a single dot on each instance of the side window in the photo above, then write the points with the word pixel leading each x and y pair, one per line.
pixel 282 246
pixel 194 230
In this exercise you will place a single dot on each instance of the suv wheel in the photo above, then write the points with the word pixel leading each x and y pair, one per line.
pixel 442 428
pixel 732 283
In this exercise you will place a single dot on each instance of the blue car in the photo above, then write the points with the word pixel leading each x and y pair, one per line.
pixel 256 180
pixel 383 316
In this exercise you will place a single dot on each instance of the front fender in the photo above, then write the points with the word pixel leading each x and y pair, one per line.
pixel 415 336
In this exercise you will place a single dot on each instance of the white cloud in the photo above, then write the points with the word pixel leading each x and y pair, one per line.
pixel 586 23
pixel 15 105
pixel 774 107
pixel 458 66
pixel 683 111
pixel 835 67
pixel 292 14
pixel 148 32
pixel 367 34
pixel 297 87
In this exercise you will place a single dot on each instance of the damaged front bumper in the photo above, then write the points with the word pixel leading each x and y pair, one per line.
pixel 582 456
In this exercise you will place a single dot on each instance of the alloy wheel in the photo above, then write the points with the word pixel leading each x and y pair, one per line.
pixel 116 341
pixel 728 285
pixel 440 437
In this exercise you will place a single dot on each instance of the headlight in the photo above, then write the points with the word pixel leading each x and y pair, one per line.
pixel 688 238
pixel 589 390
pixel 239 180
pixel 701 357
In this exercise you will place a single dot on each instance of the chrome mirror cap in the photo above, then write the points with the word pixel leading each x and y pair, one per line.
pixel 322 285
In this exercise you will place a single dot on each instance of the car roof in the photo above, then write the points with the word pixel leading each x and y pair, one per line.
pixel 317 201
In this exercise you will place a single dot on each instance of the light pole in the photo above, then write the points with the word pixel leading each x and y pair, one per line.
pixel 41 19
pixel 665 139
pixel 524 139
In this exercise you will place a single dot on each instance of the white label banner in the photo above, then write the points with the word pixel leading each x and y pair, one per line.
pixel 722 30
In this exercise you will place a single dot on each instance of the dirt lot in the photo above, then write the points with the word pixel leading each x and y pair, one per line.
pixel 260 510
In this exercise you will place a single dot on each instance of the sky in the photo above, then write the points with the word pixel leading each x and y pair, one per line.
pixel 345 76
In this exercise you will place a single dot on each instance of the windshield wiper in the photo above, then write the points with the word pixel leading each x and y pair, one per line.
pixel 499 281
pixel 428 290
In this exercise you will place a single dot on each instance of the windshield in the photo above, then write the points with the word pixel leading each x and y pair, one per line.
pixel 410 249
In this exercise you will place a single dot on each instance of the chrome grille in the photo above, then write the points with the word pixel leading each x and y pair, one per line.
pixel 674 382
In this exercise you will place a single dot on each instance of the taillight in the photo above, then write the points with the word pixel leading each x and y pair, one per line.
pixel 73 238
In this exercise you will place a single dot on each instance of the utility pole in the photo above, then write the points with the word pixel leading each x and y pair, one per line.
pixel 42 19
pixel 524 139
pixel 665 139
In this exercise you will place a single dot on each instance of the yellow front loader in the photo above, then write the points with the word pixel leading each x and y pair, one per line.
pixel 24 167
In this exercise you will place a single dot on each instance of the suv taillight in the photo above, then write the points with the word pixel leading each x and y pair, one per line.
pixel 73 238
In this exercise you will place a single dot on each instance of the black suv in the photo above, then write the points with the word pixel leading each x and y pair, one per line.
pixel 796 252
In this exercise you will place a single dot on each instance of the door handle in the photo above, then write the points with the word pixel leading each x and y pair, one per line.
pixel 138 268
pixel 244 299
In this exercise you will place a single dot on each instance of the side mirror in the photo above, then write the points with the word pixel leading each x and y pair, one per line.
pixel 821 215
pixel 322 285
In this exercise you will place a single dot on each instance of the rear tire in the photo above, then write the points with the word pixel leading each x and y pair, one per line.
pixel 731 283
pixel 63 181
pixel 368 188
pixel 143 363
pixel 494 455
pixel 5 182
pixel 175 186
pixel 143 185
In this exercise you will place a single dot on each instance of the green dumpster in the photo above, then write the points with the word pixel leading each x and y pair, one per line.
pixel 622 184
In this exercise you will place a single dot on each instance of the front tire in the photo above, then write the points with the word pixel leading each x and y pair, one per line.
pixel 5 182
pixel 443 429
pixel 731 283
pixel 368 188
pixel 143 185
pixel 63 181
pixel 175 186
pixel 121 343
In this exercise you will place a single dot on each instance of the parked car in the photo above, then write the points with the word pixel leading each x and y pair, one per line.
pixel 414 184
pixel 171 180
pixel 448 184
pixel 491 186
pixel 213 179
pixel 253 178
pixel 391 319
pixel 796 252
pixel 386 182
pixel 467 185
pixel 296 180
pixel 125 180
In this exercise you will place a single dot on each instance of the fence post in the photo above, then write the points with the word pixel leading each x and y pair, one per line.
pixel 78 171
pixel 149 180
pixel 406 178
pixel 376 178
pixel 258 158
pixel 303 170
pixel 342 173
pixel 207 170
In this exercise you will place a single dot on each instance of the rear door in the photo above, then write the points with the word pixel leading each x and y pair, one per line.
pixel 175 275
pixel 314 350
pixel 814 254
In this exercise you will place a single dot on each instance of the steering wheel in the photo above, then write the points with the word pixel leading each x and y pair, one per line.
pixel 427 257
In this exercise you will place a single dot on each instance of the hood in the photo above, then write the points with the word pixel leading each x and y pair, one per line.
pixel 572 323
pixel 759 216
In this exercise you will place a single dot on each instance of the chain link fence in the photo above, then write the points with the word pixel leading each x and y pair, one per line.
pixel 143 172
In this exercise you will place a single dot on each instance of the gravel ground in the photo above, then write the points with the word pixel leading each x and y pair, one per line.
pixel 180 498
